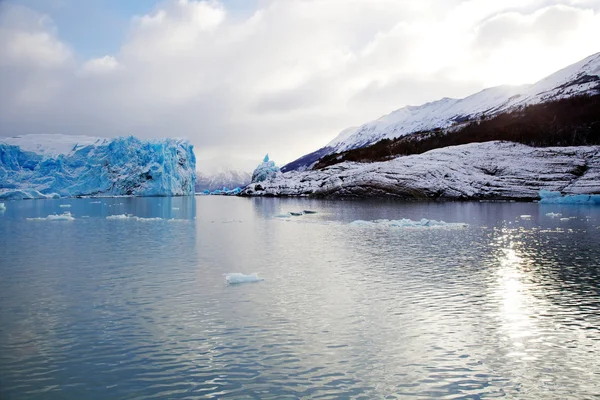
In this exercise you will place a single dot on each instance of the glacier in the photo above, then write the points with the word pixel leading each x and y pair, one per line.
pixel 265 170
pixel 51 166
pixel 548 197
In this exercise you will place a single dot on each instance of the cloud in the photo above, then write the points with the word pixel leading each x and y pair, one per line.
pixel 284 79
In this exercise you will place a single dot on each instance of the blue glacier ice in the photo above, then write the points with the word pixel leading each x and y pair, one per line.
pixel 108 167
pixel 547 197
pixel 265 170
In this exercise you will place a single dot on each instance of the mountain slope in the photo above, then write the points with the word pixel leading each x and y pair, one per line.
pixel 492 170
pixel 582 77
pixel 228 178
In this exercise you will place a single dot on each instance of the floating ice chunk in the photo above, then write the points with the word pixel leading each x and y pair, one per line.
pixel 2 206
pixel 526 216
pixel 553 215
pixel 236 277
pixel 55 217
pixel 65 205
pixel 408 223
pixel 175 208
pixel 120 217
pixel 564 219
pixel 556 198
pixel 130 217
pixel 95 202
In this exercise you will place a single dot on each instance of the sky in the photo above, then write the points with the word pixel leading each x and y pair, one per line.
pixel 241 78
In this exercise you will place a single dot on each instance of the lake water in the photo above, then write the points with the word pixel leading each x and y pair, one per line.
pixel 138 308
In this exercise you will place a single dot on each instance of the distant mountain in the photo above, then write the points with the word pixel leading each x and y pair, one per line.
pixel 218 180
pixel 580 78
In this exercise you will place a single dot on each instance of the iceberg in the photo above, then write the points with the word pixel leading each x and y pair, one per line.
pixel 123 166
pixel 265 170
pixel 55 217
pixel 236 277
pixel 548 197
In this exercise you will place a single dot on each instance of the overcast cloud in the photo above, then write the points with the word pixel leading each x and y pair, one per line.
pixel 284 80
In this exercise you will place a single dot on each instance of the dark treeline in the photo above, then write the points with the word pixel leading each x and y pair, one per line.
pixel 573 121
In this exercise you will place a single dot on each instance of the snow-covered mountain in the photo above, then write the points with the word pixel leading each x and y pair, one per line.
pixel 490 170
pixel 582 77
pixel 38 166
pixel 228 178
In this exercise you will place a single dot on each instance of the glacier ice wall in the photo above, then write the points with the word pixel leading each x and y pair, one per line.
pixel 265 170
pixel 110 167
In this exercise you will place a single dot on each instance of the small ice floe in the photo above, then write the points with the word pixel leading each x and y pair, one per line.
pixel 55 217
pixel 526 216
pixel 65 205
pixel 95 202
pixel 175 208
pixel 236 277
pixel 123 217
pixel 408 223
pixel 564 219
pixel 553 215
pixel 2 206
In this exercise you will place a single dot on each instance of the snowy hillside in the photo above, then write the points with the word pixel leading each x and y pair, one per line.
pixel 37 166
pixel 491 170
pixel 228 178
pixel 580 78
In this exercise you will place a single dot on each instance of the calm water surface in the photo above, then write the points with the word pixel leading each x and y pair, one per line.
pixel 137 309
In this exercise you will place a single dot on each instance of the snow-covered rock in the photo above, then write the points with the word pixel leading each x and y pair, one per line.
pixel 41 166
pixel 582 77
pixel 491 170
pixel 265 170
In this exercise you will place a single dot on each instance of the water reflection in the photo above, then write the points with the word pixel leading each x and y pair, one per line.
pixel 505 307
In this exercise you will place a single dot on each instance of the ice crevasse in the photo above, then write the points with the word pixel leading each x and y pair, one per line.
pixel 100 167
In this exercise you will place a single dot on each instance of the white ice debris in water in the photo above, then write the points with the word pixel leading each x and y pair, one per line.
pixel 408 223
pixel 132 217
pixel 553 215
pixel 55 217
pixel 65 205
pixel 2 206
pixel 236 277
pixel 526 216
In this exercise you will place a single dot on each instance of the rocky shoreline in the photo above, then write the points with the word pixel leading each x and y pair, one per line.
pixel 476 171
